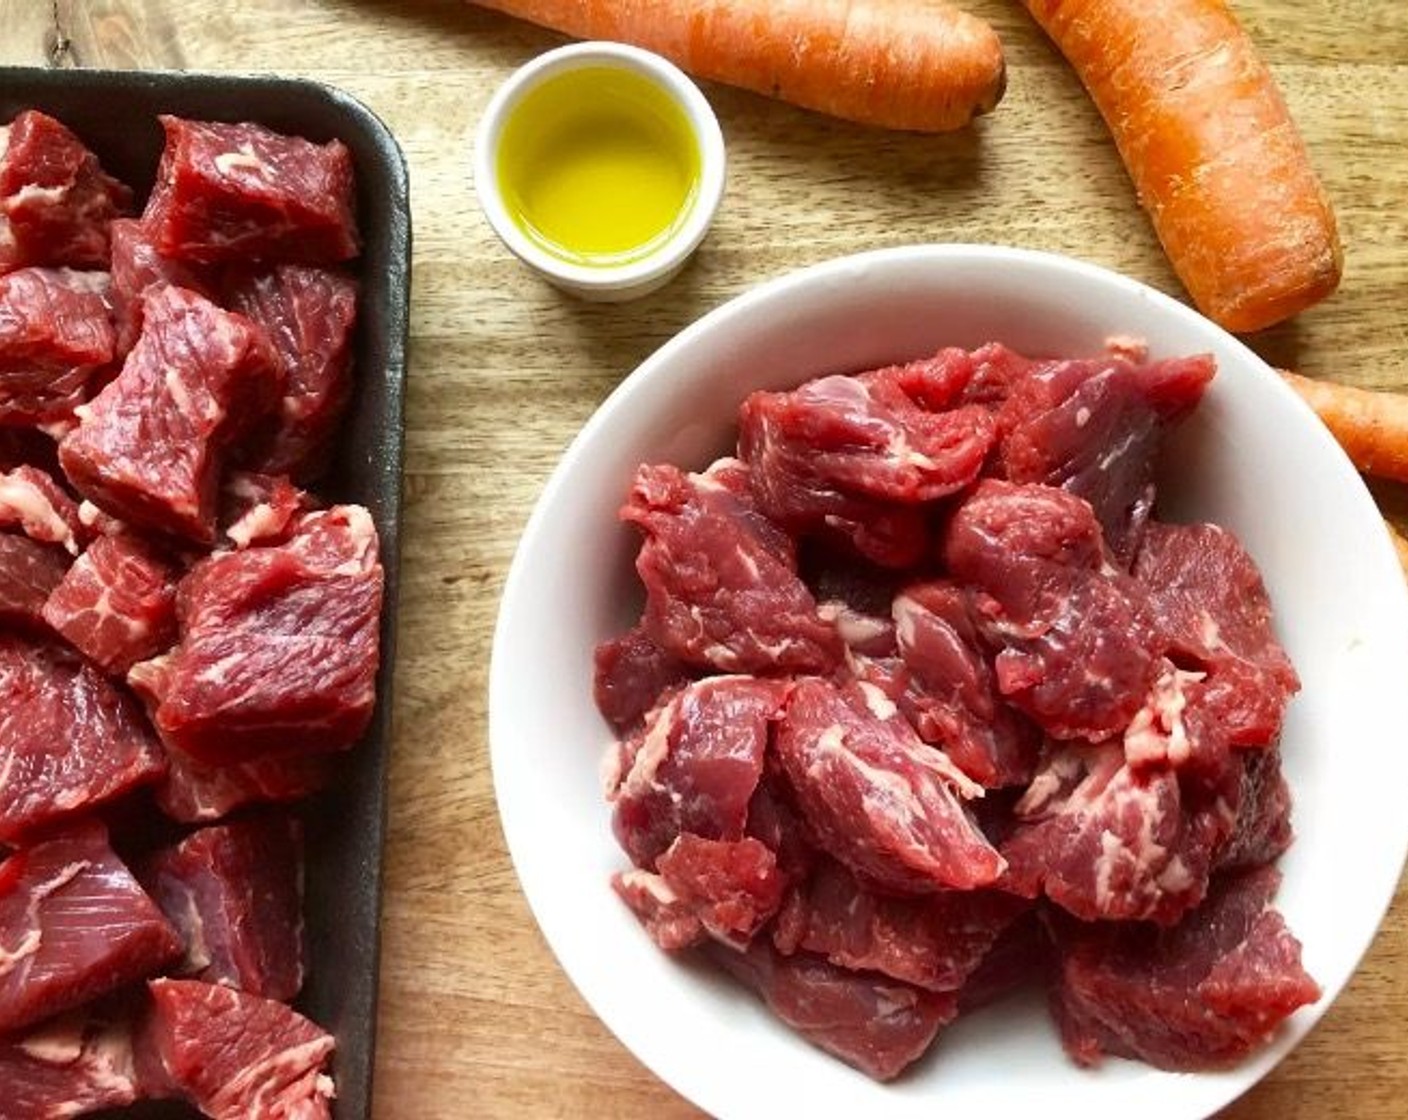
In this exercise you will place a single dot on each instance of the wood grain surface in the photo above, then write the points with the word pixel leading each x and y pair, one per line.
pixel 476 1018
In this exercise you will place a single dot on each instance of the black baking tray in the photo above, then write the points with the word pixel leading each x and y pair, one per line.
pixel 115 112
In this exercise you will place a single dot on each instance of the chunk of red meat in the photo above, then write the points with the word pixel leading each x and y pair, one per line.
pixel 136 268
pixel 234 893
pixel 876 1024
pixel 116 604
pixel 866 436
pixel 55 333
pixel 279 646
pixel 69 739
pixel 953 700
pixel 632 673
pixel 725 889
pixel 1094 428
pixel 70 1066
pixel 1103 841
pixel 236 1056
pixel 695 765
pixel 851 457
pixel 260 508
pixel 33 502
pixel 149 447
pixel 1214 615
pixel 1263 828
pixel 29 571
pixel 718 595
pixel 1201 995
pixel 56 202
pixel 874 795
pixel 935 941
pixel 996 371
pixel 196 793
pixel 74 925
pixel 309 314
pixel 1074 636
pixel 237 192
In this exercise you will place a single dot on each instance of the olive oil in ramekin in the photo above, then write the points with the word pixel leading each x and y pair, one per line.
pixel 598 166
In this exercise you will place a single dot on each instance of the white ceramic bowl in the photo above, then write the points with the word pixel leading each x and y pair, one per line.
pixel 637 277
pixel 1253 458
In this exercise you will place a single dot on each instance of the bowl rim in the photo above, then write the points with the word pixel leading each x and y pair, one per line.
pixel 667 257
pixel 1222 1087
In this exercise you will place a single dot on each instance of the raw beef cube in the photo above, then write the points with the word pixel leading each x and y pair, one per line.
pixel 260 508
pixel 1075 638
pixel 871 1022
pixel 935 941
pixel 234 892
pixel 1103 841
pixel 720 592
pixel 865 435
pixel 33 502
pixel 237 1056
pixel 55 333
pixel 69 739
pixel 1094 429
pixel 74 925
pixel 725 889
pixel 70 1066
pixel 236 192
pixel 194 793
pixel 1263 828
pixel 875 796
pixel 29 571
pixel 1201 995
pixel 1214 616
pixel 309 314
pixel 632 673
pixel 279 646
pixel 953 700
pixel 117 604
pixel 850 458
pixel 150 446
pixel 136 268
pixel 695 765
pixel 56 202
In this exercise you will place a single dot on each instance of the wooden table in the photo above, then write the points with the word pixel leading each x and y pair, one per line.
pixel 476 1018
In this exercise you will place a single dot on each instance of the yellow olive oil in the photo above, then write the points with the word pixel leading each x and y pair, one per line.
pixel 598 166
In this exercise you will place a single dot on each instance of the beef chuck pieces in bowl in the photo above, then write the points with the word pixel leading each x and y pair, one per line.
pixel 1107 794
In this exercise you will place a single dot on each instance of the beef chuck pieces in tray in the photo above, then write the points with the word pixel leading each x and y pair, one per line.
pixel 191 640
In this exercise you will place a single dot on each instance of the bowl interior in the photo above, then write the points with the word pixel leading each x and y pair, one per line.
pixel 1253 458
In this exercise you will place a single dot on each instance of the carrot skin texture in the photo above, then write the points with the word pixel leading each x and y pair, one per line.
pixel 915 65
pixel 1371 426
pixel 1216 160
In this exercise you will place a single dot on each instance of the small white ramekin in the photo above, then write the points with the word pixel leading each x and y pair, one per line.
pixel 611 283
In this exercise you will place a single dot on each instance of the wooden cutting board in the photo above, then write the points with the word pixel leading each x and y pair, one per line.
pixel 476 1018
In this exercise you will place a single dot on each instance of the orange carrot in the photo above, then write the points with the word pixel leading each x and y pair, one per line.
pixel 920 65
pixel 1371 426
pixel 1210 145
